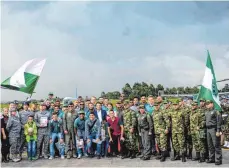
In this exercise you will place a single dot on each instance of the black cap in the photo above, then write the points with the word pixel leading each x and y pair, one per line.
pixel 26 103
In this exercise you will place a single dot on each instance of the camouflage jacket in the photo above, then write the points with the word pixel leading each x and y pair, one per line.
pixel 68 120
pixel 197 121
pixel 129 119
pixel 160 121
pixel 178 120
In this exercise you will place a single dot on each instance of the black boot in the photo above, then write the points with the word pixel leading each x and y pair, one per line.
pixel 197 157
pixel 133 155
pixel 177 156
pixel 183 157
pixel 163 155
pixel 158 156
pixel 202 158
pixel 218 162
pixel 189 153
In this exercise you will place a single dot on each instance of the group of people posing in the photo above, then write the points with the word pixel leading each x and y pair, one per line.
pixel 91 127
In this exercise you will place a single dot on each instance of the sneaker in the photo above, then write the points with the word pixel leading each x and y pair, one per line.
pixel 34 158
pixel 62 157
pixel 46 157
pixel 225 144
pixel 79 156
pixel 85 154
pixel 51 157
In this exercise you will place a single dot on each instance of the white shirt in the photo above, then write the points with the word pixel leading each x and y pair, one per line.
pixel 99 113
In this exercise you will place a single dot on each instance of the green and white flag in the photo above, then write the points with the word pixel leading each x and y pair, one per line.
pixel 26 77
pixel 209 90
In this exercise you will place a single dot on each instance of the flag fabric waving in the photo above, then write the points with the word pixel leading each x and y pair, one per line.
pixel 209 90
pixel 26 77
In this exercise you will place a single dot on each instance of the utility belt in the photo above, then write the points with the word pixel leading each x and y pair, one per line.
pixel 211 126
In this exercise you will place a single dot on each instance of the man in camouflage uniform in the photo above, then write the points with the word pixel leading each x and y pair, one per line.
pixel 68 127
pixel 213 124
pixel 188 138
pixel 42 119
pixel 225 124
pixel 130 126
pixel 197 125
pixel 145 127
pixel 161 125
pixel 178 139
pixel 14 127
pixel 23 116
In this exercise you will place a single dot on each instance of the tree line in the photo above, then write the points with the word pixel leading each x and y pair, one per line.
pixel 139 89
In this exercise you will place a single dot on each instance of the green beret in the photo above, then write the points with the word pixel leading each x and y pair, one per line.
pixel 50 93
pixel 202 100
pixel 81 112
pixel 194 103
pixel 209 101
pixel 65 105
pixel 156 104
pixel 165 102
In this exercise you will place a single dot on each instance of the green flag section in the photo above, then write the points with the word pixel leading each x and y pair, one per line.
pixel 26 77
pixel 209 90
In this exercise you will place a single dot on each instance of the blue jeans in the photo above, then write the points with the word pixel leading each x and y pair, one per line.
pixel 98 146
pixel 31 149
pixel 51 147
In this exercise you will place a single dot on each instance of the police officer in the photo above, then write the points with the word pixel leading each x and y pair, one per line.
pixel 213 124
pixel 145 126
pixel 23 115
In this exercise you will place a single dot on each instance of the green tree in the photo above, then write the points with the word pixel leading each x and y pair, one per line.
pixel 103 94
pixel 127 90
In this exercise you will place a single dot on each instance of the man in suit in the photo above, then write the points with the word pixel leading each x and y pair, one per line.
pixel 99 113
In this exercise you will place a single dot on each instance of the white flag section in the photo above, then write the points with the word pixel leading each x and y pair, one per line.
pixel 209 90
pixel 26 77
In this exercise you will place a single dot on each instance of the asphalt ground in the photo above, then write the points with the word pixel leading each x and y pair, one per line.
pixel 113 162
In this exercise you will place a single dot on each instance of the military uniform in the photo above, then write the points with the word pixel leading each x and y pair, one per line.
pixel 145 126
pixel 225 126
pixel 213 124
pixel 161 125
pixel 130 122
pixel 68 125
pixel 188 138
pixel 23 115
pixel 14 128
pixel 197 125
pixel 178 139
pixel 42 118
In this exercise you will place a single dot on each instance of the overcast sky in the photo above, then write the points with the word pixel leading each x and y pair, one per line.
pixel 100 46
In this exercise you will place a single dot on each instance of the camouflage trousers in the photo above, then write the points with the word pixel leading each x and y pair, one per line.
pixel 14 145
pixel 22 141
pixel 178 140
pixel 226 137
pixel 130 141
pixel 42 139
pixel 198 143
pixel 188 141
pixel 161 140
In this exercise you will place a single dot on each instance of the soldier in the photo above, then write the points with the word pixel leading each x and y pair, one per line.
pixel 225 121
pixel 213 124
pixel 145 127
pixel 68 126
pixel 42 119
pixel 14 128
pixel 188 139
pixel 23 116
pixel 50 96
pixel 178 118
pixel 197 124
pixel 130 125
pixel 161 125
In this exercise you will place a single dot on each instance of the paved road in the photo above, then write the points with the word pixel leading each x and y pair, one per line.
pixel 113 162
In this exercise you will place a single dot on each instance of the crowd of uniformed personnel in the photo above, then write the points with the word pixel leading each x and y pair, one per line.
pixel 133 128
